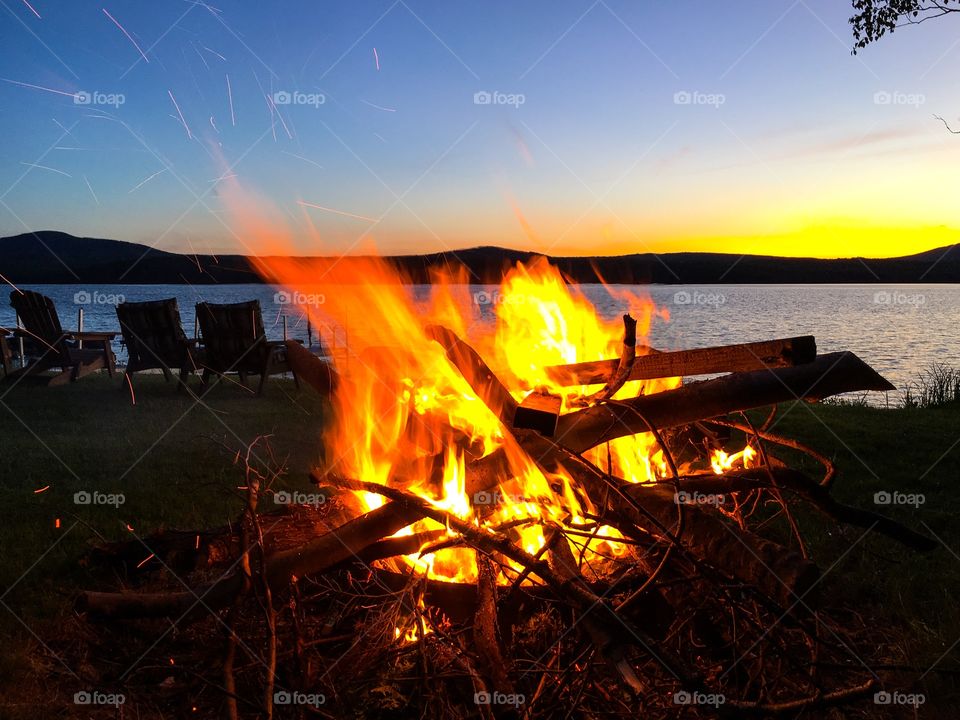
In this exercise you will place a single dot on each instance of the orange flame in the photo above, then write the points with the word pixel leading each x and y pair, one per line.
pixel 405 416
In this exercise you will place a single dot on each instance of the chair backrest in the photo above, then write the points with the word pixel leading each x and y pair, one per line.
pixel 233 335
pixel 152 333
pixel 39 318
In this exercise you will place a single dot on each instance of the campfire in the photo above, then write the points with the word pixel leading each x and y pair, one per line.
pixel 531 513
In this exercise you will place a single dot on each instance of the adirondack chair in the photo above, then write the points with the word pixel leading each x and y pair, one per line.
pixel 155 340
pixel 75 353
pixel 234 341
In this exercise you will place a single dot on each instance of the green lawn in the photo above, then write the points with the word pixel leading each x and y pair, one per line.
pixel 172 456
pixel 173 459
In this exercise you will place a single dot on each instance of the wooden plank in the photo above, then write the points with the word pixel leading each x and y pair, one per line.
pixel 743 357
pixel 540 412
pixel 829 374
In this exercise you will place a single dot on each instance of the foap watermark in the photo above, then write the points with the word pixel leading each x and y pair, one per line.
pixel 896 497
pixel 295 497
pixel 886 297
pixel 86 297
pixel 295 697
pixel 485 497
pixel 695 297
pixel 695 97
pixel 296 97
pixel 95 97
pixel 295 297
pixel 499 698
pixel 483 297
pixel 485 97
pixel 684 697
pixel 95 697
pixel 899 698
pixel 684 497
pixel 895 97
pixel 86 497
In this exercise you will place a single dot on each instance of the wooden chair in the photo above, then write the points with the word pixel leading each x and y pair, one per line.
pixel 75 353
pixel 155 339
pixel 234 341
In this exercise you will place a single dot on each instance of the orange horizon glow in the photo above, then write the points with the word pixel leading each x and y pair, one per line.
pixel 827 241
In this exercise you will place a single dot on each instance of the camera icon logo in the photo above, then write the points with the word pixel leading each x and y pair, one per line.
pixel 882 498
pixel 82 98
pixel 482 97
pixel 82 298
pixel 282 297
pixel 281 97
pixel 682 697
pixel 82 698
pixel 484 498
pixel 82 498
pixel 481 698
pixel 682 97
pixel 282 697
pixel 882 98
pixel 682 298
pixel 282 498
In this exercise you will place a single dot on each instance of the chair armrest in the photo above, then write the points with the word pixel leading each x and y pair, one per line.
pixel 93 335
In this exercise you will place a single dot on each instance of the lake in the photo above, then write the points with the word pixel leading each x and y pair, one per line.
pixel 898 329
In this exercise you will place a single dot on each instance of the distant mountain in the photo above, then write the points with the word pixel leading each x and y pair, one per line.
pixel 55 257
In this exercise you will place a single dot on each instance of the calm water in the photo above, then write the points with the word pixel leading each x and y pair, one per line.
pixel 899 329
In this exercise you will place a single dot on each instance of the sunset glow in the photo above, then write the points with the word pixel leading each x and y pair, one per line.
pixel 610 130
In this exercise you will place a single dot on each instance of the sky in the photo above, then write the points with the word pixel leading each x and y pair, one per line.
pixel 569 128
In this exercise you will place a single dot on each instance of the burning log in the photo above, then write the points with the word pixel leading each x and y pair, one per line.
pixel 572 590
pixel 320 554
pixel 312 370
pixel 624 369
pixel 484 382
pixel 540 412
pixel 743 357
pixel 779 573
pixel 828 375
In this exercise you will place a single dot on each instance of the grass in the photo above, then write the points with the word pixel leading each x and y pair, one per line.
pixel 940 385
pixel 173 460
pixel 171 457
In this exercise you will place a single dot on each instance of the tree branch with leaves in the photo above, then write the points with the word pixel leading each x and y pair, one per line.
pixel 873 19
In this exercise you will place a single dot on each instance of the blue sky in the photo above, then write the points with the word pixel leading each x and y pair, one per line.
pixel 618 127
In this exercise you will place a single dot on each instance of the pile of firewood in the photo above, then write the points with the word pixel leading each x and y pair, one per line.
pixel 701 616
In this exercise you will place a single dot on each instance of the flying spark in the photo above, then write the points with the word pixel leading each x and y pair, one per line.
pixel 40 490
pixel 31 9
pixel 233 120
pixel 185 126
pixel 95 198
pixel 337 212
pixel 123 30
pixel 282 122
pixel 301 157
pixel 146 180
pixel 378 107
pixel 44 167
pixel 40 87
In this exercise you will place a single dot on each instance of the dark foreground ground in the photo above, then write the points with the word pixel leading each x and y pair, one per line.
pixel 174 459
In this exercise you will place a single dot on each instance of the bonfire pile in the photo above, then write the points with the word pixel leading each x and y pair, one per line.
pixel 544 540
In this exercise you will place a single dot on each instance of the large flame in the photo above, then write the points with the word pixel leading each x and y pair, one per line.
pixel 405 416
